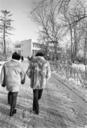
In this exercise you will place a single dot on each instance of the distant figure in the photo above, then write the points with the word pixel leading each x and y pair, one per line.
pixel 12 76
pixel 38 72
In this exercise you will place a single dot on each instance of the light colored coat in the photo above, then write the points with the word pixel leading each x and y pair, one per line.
pixel 13 75
pixel 39 77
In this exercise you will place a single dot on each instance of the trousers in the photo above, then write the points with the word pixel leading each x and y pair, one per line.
pixel 12 99
pixel 37 93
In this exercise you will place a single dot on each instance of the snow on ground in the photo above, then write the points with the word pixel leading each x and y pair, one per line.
pixel 81 77
pixel 77 80
pixel 80 67
pixel 57 109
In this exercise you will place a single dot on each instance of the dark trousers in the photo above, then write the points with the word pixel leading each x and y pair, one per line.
pixel 37 93
pixel 12 99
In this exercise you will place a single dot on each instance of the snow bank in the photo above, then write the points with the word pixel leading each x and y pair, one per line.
pixel 80 67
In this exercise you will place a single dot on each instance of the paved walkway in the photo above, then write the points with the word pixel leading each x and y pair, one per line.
pixel 57 109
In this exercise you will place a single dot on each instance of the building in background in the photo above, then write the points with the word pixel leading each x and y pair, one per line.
pixel 36 47
pixel 27 48
pixel 17 47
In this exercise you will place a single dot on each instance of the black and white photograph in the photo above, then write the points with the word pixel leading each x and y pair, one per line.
pixel 43 63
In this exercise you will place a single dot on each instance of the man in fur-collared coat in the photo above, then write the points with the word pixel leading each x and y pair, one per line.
pixel 38 72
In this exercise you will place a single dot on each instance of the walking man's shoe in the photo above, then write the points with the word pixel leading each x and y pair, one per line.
pixel 12 112
pixel 34 112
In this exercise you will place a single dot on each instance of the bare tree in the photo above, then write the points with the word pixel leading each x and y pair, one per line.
pixel 5 26
pixel 73 17
pixel 46 16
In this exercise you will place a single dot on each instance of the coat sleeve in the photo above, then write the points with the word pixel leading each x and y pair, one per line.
pixel 29 71
pixel 2 76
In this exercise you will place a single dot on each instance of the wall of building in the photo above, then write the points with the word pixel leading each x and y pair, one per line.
pixel 27 48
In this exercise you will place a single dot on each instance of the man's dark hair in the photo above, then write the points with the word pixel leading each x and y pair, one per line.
pixel 16 56
pixel 39 54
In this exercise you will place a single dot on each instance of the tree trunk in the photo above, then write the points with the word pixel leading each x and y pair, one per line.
pixel 71 42
pixel 75 43
pixel 4 51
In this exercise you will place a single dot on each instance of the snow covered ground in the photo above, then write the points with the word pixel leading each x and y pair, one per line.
pixel 80 67
pixel 58 109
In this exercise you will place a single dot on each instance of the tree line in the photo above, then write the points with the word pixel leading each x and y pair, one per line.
pixel 5 28
pixel 61 18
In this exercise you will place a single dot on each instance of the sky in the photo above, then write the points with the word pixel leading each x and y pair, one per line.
pixel 24 27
